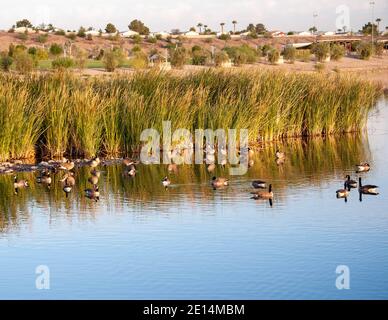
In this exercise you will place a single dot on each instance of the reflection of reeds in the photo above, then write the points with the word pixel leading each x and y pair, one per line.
pixel 308 163
pixel 68 114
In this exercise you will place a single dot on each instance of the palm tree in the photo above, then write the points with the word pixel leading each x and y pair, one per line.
pixel 234 22
pixel 378 20
pixel 199 25
pixel 222 27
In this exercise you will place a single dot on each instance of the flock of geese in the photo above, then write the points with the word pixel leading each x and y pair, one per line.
pixel 260 187
pixel 349 184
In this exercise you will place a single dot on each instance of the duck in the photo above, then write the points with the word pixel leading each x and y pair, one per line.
pixel 93 180
pixel 69 179
pixel 93 193
pixel 94 162
pixel 219 182
pixel 343 193
pixel 129 162
pixel 67 189
pixel 349 183
pixel 166 182
pixel 95 173
pixel 67 166
pixel 368 188
pixel 280 154
pixel 263 194
pixel 44 178
pixel 131 171
pixel 19 184
pixel 259 184
pixel 362 167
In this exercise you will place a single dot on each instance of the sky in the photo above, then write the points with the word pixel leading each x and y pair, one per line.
pixel 164 15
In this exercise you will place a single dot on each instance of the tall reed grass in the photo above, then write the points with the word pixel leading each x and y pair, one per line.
pixel 66 114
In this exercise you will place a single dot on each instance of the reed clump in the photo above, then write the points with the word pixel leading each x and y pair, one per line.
pixel 64 114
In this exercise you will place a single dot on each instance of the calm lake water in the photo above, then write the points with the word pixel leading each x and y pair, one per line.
pixel 141 241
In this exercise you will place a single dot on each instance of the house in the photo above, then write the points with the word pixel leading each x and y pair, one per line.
pixel 304 33
pixel 93 33
pixel 325 33
pixel 162 34
pixel 191 34
pixel 129 34
pixel 277 34
pixel 24 30
pixel 108 35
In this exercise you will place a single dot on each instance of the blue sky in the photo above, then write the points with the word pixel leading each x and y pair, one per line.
pixel 168 14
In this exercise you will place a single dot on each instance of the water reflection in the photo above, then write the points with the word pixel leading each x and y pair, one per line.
pixel 308 164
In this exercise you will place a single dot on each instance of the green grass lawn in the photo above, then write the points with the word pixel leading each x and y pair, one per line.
pixel 90 64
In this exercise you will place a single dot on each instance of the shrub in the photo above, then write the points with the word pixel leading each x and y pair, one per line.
pixel 42 38
pixel 56 49
pixel 378 48
pixel 62 63
pixel 303 55
pixel 89 37
pixel 337 52
pixel 224 37
pixel 31 50
pixel 273 56
pixel 81 32
pixel 364 50
pixel 139 61
pixel 321 51
pixel 266 48
pixel 112 59
pixel 199 56
pixel 24 62
pixel 22 36
pixel 72 36
pixel 136 48
pixel 289 54
pixel 5 62
pixel 319 67
pixel 178 57
pixel 220 58
pixel 41 54
pixel 136 39
pixel 152 40
pixel 80 59
pixel 60 33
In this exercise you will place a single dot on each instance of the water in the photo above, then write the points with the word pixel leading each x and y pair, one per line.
pixel 141 241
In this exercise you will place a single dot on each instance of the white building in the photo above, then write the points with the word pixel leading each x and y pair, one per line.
pixel 24 30
pixel 191 34
pixel 304 33
pixel 93 33
pixel 162 34
pixel 129 34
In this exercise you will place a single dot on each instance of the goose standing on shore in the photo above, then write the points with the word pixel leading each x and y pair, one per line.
pixel 94 162
pixel 67 166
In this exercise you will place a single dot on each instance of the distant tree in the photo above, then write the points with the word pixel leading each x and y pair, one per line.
pixel 136 39
pixel 260 28
pixel 175 31
pixel 192 29
pixel 313 29
pixel 23 23
pixel 234 22
pixel 321 50
pixel 200 25
pixel 222 24
pixel 364 50
pixel 81 32
pixel 138 26
pixel 289 53
pixel 251 28
pixel 367 29
pixel 378 20
pixel 110 28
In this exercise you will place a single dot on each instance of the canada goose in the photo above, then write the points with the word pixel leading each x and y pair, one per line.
pixel 44 178
pixel 19 184
pixel 279 154
pixel 69 179
pixel 166 182
pixel 350 183
pixel 362 167
pixel 343 193
pixel 95 173
pixel 94 162
pixel 67 189
pixel 368 188
pixel 68 165
pixel 211 167
pixel 93 193
pixel 263 194
pixel 259 184
pixel 93 180
pixel 131 171
pixel 129 162
pixel 219 182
